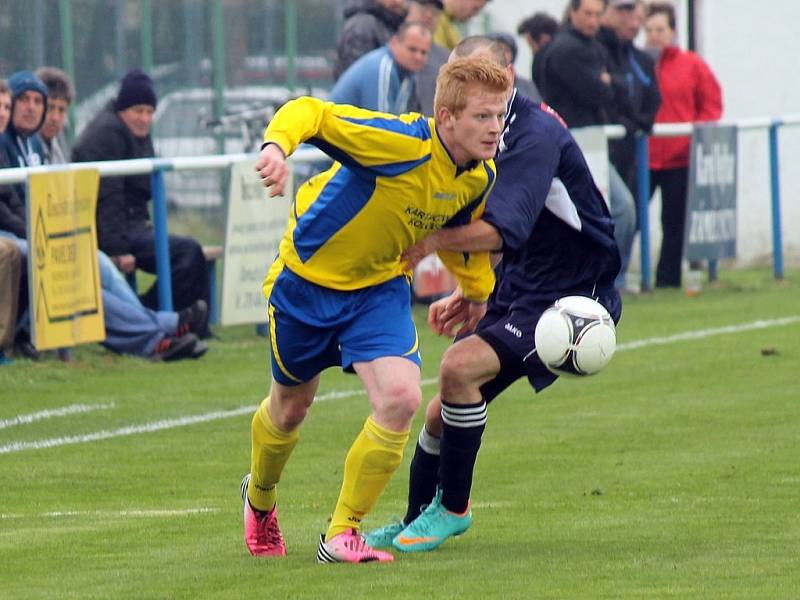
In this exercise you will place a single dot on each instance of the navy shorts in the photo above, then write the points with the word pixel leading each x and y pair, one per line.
pixel 510 332
pixel 312 327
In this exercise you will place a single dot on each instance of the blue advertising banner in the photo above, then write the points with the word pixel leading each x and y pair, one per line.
pixel 711 202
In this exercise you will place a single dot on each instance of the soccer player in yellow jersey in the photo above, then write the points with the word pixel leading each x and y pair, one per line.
pixel 338 294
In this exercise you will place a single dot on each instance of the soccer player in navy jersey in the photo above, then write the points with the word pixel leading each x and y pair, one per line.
pixel 338 293
pixel 556 236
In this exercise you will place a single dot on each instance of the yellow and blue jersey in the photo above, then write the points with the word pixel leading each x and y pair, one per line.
pixel 393 184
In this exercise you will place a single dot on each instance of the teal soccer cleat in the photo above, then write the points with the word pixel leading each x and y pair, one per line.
pixel 429 530
pixel 383 536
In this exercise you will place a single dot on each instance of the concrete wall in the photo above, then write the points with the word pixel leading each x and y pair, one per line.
pixel 752 47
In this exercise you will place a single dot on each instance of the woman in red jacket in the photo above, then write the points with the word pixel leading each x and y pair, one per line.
pixel 689 93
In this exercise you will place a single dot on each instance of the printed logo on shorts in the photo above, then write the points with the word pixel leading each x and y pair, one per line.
pixel 513 330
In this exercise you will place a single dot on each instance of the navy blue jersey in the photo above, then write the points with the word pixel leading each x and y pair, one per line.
pixel 558 235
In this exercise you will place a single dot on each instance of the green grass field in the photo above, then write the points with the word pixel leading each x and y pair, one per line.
pixel 673 474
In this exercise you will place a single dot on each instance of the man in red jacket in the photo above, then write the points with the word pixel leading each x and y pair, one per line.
pixel 689 93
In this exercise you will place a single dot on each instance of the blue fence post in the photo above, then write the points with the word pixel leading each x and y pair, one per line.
pixel 775 183
pixel 713 270
pixel 163 271
pixel 643 204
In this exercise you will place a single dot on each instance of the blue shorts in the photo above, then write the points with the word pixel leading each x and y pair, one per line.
pixel 312 328
pixel 509 331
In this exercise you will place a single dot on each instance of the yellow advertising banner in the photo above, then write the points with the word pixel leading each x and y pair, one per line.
pixel 65 297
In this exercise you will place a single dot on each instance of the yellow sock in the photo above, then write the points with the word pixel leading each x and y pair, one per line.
pixel 270 451
pixel 373 458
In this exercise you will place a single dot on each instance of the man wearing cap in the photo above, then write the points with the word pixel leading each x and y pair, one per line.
pixel 19 144
pixel 121 131
pixel 21 147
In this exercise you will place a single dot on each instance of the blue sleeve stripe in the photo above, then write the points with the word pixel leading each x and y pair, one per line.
pixel 418 128
pixel 335 153
pixel 386 170
pixel 394 169
pixel 342 198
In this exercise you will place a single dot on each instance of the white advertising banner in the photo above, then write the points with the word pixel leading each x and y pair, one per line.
pixel 254 226
pixel 594 144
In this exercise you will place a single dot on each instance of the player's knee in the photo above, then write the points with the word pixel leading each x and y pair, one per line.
pixel 289 416
pixel 402 400
pixel 456 370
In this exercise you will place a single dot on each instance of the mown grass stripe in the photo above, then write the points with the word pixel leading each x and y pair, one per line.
pixel 336 394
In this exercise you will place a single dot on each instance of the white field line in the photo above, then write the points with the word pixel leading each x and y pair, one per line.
pixel 161 425
pixel 705 333
pixel 72 409
pixel 148 513
pixel 244 410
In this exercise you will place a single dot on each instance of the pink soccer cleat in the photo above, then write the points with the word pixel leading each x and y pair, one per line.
pixel 262 534
pixel 349 547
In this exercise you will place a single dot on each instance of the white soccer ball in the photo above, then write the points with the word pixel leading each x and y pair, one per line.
pixel 575 336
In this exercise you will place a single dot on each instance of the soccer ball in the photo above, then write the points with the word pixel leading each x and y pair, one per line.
pixel 575 336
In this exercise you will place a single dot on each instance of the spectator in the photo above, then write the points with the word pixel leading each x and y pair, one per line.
pixel 690 93
pixel 636 98
pixel 60 94
pixel 427 12
pixel 130 328
pixel 21 147
pixel 579 86
pixel 10 271
pixel 122 131
pixel 19 143
pixel 524 86
pixel 383 80
pixel 456 12
pixel 538 30
pixel 368 25
pixel 5 104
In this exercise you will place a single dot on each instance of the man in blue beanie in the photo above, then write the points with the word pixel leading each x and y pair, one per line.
pixel 19 144
pixel 121 131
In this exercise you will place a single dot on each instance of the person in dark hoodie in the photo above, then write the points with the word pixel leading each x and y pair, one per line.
pixel 121 131
pixel 21 147
pixel 368 25
pixel 19 144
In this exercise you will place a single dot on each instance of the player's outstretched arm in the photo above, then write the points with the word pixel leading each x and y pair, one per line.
pixel 271 165
pixel 478 236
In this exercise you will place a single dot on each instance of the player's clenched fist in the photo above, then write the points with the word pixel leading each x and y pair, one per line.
pixel 271 165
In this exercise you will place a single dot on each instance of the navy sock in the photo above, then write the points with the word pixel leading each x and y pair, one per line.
pixel 461 440
pixel 423 476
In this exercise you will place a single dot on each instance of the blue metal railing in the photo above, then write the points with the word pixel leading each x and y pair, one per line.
pixel 156 168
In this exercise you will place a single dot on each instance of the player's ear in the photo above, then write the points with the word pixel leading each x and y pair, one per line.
pixel 444 117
